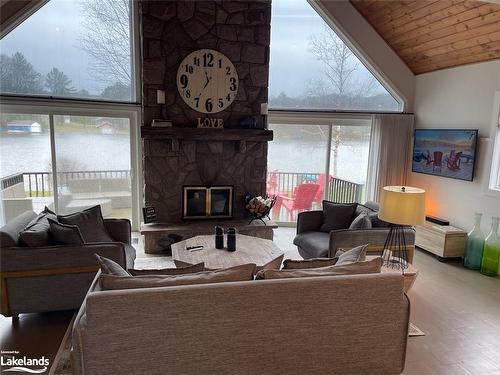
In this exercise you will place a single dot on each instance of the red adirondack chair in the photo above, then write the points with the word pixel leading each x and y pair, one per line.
pixel 303 197
pixel 321 182
pixel 454 160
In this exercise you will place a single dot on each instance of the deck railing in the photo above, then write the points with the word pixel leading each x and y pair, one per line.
pixel 339 190
pixel 40 184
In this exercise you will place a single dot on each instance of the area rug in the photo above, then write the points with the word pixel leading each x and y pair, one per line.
pixel 414 331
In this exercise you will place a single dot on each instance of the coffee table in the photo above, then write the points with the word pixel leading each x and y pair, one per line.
pixel 248 250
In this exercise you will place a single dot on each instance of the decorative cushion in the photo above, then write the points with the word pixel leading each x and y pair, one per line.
pixel 292 264
pixel 170 271
pixel 377 222
pixel 362 208
pixel 90 223
pixel 274 264
pixel 36 233
pixel 337 215
pixel 362 221
pixel 372 266
pixel 244 272
pixel 356 254
pixel 110 267
pixel 64 234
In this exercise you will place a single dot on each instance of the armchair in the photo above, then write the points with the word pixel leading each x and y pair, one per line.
pixel 49 278
pixel 312 243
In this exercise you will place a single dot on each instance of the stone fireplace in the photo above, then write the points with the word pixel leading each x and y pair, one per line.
pixel 186 155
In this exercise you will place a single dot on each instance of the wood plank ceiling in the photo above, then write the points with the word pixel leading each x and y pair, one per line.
pixel 436 34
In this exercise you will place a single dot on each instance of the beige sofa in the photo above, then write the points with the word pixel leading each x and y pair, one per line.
pixel 322 325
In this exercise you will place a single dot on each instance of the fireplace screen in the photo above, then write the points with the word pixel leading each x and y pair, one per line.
pixel 202 202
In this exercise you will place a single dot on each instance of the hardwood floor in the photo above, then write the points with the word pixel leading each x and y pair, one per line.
pixel 458 309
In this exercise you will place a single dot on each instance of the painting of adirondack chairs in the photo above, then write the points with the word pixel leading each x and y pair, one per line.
pixel 445 152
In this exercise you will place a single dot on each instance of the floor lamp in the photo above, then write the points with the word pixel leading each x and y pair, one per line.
pixel 402 207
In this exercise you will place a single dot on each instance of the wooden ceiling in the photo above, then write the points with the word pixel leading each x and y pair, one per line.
pixel 436 34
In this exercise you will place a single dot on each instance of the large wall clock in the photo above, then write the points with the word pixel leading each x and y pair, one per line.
pixel 207 81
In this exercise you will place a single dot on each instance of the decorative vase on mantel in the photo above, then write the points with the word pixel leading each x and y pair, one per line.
pixel 491 253
pixel 475 245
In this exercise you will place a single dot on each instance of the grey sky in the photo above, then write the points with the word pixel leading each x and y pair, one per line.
pixel 49 38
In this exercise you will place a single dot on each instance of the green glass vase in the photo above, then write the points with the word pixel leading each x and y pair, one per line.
pixel 475 245
pixel 491 253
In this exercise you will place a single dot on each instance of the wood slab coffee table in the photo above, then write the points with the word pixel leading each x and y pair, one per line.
pixel 248 250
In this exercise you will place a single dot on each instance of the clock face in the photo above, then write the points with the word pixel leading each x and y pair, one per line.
pixel 207 81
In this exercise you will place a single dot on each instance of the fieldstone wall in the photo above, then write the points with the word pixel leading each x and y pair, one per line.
pixel 201 163
pixel 173 29
pixel 170 31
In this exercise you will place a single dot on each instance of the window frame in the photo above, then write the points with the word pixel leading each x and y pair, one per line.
pixel 322 118
pixel 52 108
pixel 37 104
pixel 135 61
pixel 491 186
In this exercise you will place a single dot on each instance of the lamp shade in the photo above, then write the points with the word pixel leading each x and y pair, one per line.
pixel 402 205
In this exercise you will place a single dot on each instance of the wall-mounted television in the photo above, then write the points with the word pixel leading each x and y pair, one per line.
pixel 445 152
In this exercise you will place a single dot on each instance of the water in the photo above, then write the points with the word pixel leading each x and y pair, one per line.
pixel 31 152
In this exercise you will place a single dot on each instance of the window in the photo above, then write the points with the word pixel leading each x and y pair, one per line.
pixel 495 164
pixel 305 150
pixel 71 49
pixel 311 68
pixel 89 155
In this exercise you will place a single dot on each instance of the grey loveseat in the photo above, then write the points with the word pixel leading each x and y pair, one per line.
pixel 301 326
pixel 50 278
pixel 313 243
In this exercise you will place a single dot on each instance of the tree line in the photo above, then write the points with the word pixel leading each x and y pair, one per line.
pixel 17 75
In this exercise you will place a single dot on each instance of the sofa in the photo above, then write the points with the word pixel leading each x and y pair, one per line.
pixel 356 324
pixel 313 243
pixel 50 278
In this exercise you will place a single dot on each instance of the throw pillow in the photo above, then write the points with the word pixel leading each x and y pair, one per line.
pixel 376 221
pixel 36 233
pixel 356 254
pixel 244 272
pixel 90 223
pixel 362 221
pixel 337 215
pixel 372 266
pixel 200 267
pixel 110 267
pixel 64 234
pixel 362 208
pixel 274 264
pixel 290 264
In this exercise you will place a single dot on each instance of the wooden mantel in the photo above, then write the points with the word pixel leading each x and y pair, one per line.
pixel 204 134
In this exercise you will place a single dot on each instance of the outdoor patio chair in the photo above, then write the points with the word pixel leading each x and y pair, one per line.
pixel 302 200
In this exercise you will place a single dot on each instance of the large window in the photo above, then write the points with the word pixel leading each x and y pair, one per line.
pixel 312 68
pixel 316 157
pixel 67 161
pixel 77 49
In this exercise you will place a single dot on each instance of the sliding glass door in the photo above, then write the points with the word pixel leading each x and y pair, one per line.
pixel 314 157
pixel 93 164
pixel 68 161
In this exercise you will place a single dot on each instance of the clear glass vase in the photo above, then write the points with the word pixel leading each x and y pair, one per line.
pixel 491 253
pixel 475 245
